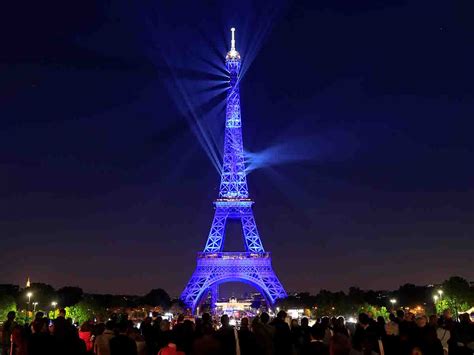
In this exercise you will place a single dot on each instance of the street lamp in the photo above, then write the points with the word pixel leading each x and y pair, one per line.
pixel 435 299
pixel 440 292
pixel 393 301
pixel 34 306
pixel 29 294
pixel 53 307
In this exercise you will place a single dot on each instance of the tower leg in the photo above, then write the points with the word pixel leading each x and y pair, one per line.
pixel 214 297
pixel 250 232
pixel 215 241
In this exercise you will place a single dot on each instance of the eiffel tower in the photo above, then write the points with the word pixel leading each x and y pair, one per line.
pixel 214 266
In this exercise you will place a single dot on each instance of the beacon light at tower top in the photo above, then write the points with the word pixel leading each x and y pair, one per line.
pixel 232 54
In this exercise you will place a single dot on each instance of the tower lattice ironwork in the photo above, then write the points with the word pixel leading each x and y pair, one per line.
pixel 214 266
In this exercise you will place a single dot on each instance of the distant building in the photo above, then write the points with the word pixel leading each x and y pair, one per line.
pixel 234 305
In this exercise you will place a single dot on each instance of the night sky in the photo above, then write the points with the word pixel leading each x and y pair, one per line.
pixel 358 119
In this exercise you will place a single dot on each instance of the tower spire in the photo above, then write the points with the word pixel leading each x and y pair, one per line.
pixel 232 54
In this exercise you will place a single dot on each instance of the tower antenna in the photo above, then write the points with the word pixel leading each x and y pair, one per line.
pixel 232 42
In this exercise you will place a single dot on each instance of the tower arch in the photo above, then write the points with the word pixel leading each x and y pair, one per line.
pixel 258 286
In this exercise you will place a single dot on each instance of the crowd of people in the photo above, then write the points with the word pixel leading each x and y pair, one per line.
pixel 401 334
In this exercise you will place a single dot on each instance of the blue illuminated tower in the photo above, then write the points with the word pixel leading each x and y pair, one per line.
pixel 214 266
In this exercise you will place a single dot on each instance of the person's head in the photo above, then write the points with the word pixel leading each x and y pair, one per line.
pixel 281 315
pixel 392 317
pixel 339 345
pixel 391 328
pixel 400 314
pixel 189 326
pixel 62 313
pixel 225 320
pixel 85 327
pixel 255 322
pixel 39 315
pixel 410 316
pixel 206 318
pixel 340 322
pixel 172 337
pixel 464 318
pixel 110 325
pixel 164 325
pixel 433 320
pixel 294 324
pixel 180 318
pixel 421 321
pixel 381 320
pixel 244 322
pixel 155 315
pixel 122 327
pixel 317 333
pixel 325 322
pixel 11 315
pixel 304 322
pixel 264 318
pixel 447 314
pixel 98 329
pixel 364 319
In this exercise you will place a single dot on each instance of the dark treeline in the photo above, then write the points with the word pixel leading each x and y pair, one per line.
pixel 457 294
pixel 68 296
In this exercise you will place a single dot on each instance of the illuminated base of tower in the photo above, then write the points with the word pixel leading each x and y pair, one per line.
pixel 213 269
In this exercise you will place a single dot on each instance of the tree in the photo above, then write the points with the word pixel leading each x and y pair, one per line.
pixel 356 295
pixel 374 311
pixel 457 295
pixel 443 304
pixel 69 296
pixel 7 304
pixel 177 307
pixel 85 310
pixel 157 298
pixel 458 288
pixel 10 289
pixel 42 293
pixel 411 295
